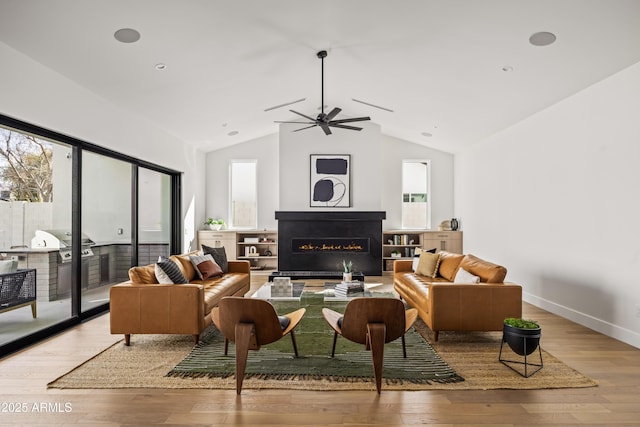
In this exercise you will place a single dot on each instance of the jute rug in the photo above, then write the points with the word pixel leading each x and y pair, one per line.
pixel 474 356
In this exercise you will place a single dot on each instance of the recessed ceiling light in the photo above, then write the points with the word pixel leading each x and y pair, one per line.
pixel 542 38
pixel 127 35
pixel 507 68
pixel 161 67
pixel 233 133
pixel 427 134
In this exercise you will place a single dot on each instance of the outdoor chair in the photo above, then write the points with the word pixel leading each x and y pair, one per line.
pixel 251 323
pixel 372 322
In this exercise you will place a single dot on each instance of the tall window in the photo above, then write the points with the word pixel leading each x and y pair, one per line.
pixel 243 203
pixel 416 203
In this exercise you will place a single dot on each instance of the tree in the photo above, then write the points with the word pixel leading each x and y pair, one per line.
pixel 25 167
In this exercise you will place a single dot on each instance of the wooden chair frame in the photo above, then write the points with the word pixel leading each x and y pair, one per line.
pixel 251 323
pixel 372 322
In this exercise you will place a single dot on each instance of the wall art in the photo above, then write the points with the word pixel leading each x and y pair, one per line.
pixel 330 180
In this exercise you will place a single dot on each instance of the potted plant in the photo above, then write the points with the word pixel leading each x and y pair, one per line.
pixel 347 275
pixel 214 224
pixel 523 336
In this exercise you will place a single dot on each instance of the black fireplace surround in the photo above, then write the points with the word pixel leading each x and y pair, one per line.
pixel 319 241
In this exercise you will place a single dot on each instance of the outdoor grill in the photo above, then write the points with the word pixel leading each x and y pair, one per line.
pixel 61 240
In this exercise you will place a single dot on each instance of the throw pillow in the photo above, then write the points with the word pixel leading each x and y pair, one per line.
pixel 8 266
pixel 463 276
pixel 205 266
pixel 168 271
pixel 416 256
pixel 428 264
pixel 219 256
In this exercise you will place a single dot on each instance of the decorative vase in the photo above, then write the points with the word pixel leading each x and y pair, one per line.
pixel 346 277
pixel 454 224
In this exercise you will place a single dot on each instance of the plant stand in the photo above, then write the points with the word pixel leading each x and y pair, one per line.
pixel 525 362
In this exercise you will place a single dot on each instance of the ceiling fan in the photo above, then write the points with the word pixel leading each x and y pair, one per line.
pixel 326 121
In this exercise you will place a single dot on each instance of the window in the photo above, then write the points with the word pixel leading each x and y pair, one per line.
pixel 416 206
pixel 243 204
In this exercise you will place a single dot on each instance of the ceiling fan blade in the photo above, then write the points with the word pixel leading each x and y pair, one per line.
pixel 355 119
pixel 307 127
pixel 298 123
pixel 344 126
pixel 306 117
pixel 333 113
pixel 325 128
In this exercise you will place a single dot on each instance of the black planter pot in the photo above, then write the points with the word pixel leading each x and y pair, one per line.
pixel 523 342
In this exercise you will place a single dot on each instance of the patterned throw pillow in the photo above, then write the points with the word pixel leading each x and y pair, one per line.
pixel 219 256
pixel 167 272
pixel 205 266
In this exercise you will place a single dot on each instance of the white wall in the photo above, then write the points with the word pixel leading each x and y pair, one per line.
pixel 37 95
pixel 394 151
pixel 554 199
pixel 265 151
pixel 283 172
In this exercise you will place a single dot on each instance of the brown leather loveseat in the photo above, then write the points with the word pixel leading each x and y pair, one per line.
pixel 143 306
pixel 447 306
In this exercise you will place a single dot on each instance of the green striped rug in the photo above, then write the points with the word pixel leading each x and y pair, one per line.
pixel 314 338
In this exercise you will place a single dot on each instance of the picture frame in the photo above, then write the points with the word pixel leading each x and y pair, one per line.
pixel 330 180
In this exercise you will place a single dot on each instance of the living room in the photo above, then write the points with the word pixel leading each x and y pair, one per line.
pixel 546 195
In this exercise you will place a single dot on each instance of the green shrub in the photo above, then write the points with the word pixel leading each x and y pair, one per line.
pixel 521 323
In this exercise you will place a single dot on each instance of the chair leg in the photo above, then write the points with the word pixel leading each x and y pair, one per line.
pixel 293 341
pixel 243 338
pixel 34 311
pixel 335 339
pixel 376 333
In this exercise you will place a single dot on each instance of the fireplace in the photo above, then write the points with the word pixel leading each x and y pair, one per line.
pixel 315 243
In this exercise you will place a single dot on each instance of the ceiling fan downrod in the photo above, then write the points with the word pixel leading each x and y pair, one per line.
pixel 322 54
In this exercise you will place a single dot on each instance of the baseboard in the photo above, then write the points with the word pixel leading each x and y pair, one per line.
pixel 599 325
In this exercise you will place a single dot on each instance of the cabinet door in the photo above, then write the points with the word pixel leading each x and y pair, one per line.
pixel 450 241
pixel 217 239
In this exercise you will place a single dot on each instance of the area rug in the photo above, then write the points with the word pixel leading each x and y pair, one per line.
pixel 147 363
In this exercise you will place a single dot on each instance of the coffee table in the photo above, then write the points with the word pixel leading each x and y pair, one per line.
pixel 273 293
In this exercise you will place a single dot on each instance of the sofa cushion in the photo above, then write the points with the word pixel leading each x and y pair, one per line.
pixel 487 271
pixel 143 275
pixel 185 265
pixel 168 272
pixel 205 266
pixel 463 276
pixel 449 263
pixel 428 264
pixel 219 256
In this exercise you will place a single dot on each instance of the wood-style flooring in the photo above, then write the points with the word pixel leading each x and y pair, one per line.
pixel 615 402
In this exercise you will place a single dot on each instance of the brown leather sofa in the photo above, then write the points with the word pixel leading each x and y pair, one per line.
pixel 447 306
pixel 143 306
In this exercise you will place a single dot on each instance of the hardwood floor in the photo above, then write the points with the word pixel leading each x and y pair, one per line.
pixel 616 367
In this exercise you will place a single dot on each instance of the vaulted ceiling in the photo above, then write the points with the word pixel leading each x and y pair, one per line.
pixel 451 72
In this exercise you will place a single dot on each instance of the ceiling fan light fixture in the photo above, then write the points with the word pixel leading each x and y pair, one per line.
pixel 325 121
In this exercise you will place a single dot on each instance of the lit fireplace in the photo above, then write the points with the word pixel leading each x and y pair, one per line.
pixel 319 241
pixel 330 244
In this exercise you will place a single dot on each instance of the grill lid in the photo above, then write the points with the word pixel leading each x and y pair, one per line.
pixel 58 239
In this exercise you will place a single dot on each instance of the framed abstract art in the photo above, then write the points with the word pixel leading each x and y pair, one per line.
pixel 330 180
